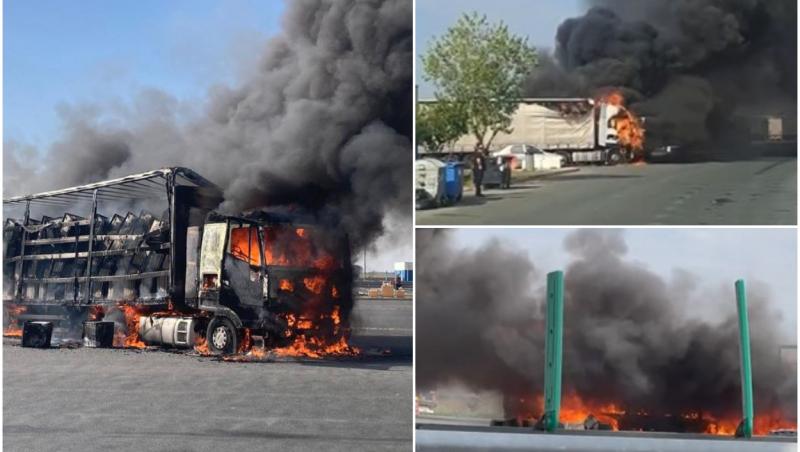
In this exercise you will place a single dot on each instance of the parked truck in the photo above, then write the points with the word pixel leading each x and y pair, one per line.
pixel 191 273
pixel 582 130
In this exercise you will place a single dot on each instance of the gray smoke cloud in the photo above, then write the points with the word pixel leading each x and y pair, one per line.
pixel 630 336
pixel 324 124
pixel 686 65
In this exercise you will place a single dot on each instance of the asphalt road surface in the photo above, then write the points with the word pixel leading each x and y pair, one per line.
pixel 761 191
pixel 102 400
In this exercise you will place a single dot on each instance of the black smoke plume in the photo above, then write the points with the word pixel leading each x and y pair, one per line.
pixel 689 66
pixel 324 124
pixel 630 337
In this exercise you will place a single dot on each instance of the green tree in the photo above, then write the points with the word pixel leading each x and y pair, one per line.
pixel 439 124
pixel 480 67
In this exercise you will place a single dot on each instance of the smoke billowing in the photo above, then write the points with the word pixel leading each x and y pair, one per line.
pixel 631 338
pixel 323 124
pixel 686 65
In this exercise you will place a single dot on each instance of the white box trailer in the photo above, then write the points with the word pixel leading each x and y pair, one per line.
pixel 580 129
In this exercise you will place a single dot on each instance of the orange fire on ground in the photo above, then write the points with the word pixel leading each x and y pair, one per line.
pixel 629 127
pixel 763 423
pixel 575 410
pixel 13 329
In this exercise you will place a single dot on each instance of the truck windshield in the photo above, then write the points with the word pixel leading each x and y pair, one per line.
pixel 284 245
pixel 244 244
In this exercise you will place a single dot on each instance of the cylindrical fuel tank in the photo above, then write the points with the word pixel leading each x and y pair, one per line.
pixel 174 331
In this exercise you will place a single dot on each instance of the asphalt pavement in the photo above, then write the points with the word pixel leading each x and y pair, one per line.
pixel 761 191
pixel 85 399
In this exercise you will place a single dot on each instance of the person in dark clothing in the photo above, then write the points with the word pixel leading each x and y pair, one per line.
pixel 478 168
pixel 398 282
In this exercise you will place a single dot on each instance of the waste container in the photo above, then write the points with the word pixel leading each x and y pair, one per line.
pixel 498 172
pixel 454 181
pixel 430 179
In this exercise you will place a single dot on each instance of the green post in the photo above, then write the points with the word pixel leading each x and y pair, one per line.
pixel 746 426
pixel 553 350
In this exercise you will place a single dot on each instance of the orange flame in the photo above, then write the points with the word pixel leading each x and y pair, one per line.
pixel 129 339
pixel 201 346
pixel 763 423
pixel 12 312
pixel 575 410
pixel 314 284
pixel 287 285
pixel 629 127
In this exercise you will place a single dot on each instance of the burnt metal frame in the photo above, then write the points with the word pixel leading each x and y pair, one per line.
pixel 119 189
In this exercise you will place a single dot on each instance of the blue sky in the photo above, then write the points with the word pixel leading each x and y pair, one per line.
pixel 536 19
pixel 102 51
pixel 718 256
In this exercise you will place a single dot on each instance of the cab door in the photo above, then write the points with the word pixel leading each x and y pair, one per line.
pixel 244 265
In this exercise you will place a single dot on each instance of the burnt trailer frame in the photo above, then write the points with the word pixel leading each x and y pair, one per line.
pixel 183 189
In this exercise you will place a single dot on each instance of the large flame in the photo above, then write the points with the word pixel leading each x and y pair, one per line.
pixel 129 338
pixel 576 409
pixel 315 329
pixel 629 126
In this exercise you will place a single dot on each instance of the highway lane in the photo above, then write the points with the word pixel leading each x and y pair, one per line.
pixel 761 191
pixel 108 399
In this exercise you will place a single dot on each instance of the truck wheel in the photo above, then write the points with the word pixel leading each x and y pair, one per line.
pixel 221 336
pixel 614 157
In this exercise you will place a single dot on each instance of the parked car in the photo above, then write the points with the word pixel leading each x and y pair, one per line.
pixel 669 153
pixel 525 155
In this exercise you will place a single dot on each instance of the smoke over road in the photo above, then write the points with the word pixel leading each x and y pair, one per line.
pixel 631 338
pixel 686 65
pixel 324 124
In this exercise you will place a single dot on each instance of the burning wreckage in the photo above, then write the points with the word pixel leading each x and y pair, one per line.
pixel 192 277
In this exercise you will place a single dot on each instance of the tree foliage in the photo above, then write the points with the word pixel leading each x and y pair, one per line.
pixel 439 124
pixel 480 67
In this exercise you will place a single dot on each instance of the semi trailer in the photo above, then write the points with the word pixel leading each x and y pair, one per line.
pixel 189 274
pixel 582 130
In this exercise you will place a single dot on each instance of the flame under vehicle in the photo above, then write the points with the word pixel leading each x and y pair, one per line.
pixel 190 275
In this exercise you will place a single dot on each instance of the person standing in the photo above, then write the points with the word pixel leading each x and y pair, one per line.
pixel 478 168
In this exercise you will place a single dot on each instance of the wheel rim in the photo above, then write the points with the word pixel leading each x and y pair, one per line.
pixel 220 337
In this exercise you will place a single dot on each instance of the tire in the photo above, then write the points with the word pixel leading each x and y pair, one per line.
pixel 614 158
pixel 221 336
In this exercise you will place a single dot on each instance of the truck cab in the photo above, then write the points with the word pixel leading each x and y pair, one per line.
pixel 274 275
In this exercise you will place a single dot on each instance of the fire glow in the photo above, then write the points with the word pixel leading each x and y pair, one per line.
pixel 13 329
pixel 316 329
pixel 575 410
pixel 129 338
pixel 629 127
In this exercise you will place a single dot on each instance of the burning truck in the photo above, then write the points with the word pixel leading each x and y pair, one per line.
pixel 582 130
pixel 191 277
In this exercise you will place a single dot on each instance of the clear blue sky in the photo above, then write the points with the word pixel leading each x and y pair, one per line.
pixel 717 256
pixel 536 19
pixel 106 51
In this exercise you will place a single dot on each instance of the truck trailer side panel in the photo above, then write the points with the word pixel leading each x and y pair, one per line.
pixel 546 128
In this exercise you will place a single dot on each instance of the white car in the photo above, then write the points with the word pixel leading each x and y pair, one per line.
pixel 525 155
